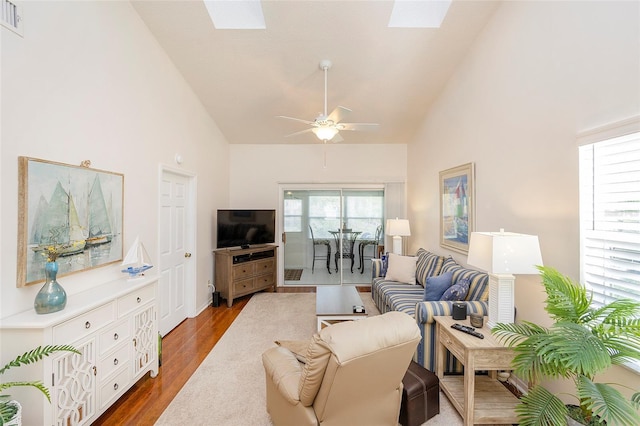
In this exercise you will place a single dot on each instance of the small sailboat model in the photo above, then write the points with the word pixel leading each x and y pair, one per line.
pixel 137 260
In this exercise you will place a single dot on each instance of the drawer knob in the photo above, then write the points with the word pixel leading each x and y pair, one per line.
pixel 87 325
pixel 115 336
pixel 115 386
pixel 139 300
pixel 115 361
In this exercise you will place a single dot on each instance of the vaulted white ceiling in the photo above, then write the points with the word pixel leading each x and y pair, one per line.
pixel 246 78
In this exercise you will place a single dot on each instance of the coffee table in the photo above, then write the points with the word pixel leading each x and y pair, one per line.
pixel 335 304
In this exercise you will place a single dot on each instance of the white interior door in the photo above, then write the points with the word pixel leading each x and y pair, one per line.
pixel 175 245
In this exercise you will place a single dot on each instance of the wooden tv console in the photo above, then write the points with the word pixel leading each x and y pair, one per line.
pixel 239 272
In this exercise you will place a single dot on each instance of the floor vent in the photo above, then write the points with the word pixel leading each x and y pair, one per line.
pixel 12 16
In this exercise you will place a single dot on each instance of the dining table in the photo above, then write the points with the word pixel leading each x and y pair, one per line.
pixel 345 240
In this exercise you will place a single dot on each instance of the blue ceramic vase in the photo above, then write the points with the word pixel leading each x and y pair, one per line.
pixel 51 297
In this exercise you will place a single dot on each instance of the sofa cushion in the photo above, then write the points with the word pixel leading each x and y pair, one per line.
pixel 478 280
pixel 401 269
pixel 405 298
pixel 458 291
pixel 427 265
pixel 435 287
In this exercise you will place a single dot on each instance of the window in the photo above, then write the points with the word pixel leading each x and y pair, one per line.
pixel 610 218
pixel 362 210
pixel 292 214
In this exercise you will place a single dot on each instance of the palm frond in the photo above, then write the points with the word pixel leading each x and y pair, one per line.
pixel 607 403
pixel 566 300
pixel 36 355
pixel 7 412
pixel 574 347
pixel 36 384
pixel 513 334
pixel 539 407
pixel 635 400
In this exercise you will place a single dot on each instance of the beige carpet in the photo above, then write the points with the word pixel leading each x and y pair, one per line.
pixel 229 386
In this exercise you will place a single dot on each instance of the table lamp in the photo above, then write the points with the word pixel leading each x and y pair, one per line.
pixel 398 228
pixel 503 254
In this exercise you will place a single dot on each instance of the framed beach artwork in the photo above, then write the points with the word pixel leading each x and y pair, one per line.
pixel 457 207
pixel 75 211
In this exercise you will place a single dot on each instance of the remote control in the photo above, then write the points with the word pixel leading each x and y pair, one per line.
pixel 469 330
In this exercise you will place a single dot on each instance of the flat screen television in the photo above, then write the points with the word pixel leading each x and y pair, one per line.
pixel 242 228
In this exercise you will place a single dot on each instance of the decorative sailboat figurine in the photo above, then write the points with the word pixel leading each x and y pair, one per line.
pixel 137 260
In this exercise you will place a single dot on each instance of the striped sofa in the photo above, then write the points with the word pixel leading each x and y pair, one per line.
pixel 407 298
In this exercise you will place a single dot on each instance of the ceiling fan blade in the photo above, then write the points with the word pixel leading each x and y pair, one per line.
pixel 338 114
pixel 296 119
pixel 299 133
pixel 359 126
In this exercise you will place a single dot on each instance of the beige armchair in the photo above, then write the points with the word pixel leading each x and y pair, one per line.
pixel 350 373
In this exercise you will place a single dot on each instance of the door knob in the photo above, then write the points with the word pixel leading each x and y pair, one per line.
pixel 187 255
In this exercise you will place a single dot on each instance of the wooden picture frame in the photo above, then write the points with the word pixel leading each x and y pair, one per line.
pixel 457 207
pixel 76 211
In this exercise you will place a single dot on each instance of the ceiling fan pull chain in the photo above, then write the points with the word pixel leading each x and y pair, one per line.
pixel 325 92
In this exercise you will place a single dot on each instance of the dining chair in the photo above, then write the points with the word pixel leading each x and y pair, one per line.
pixel 317 255
pixel 363 245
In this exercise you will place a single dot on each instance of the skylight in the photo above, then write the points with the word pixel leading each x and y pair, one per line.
pixel 418 13
pixel 236 14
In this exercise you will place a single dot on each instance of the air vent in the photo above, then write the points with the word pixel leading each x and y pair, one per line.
pixel 12 16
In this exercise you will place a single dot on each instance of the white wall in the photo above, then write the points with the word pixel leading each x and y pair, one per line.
pixel 540 73
pixel 88 81
pixel 257 170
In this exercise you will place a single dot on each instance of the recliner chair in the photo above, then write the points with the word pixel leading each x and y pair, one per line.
pixel 351 374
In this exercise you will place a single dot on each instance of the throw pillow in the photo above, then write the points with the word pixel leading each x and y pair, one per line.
pixel 458 291
pixel 434 287
pixel 401 269
pixel 385 264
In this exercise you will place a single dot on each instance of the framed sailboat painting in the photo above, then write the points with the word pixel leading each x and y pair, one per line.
pixel 72 212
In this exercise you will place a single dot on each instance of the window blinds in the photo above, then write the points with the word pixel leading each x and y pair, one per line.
pixel 610 218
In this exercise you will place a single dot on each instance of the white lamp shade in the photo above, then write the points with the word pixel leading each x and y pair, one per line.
pixel 325 133
pixel 504 252
pixel 398 227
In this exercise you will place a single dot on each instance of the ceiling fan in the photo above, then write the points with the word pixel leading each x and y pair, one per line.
pixel 327 127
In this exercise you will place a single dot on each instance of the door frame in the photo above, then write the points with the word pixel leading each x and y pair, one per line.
pixel 190 232
pixel 282 187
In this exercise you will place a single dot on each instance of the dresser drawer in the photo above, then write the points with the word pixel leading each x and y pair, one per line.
pixel 110 363
pixel 455 347
pixel 113 336
pixel 241 287
pixel 114 387
pixel 135 299
pixel 265 266
pixel 263 281
pixel 243 270
pixel 77 328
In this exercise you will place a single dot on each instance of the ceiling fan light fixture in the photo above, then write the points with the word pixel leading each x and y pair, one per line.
pixel 325 133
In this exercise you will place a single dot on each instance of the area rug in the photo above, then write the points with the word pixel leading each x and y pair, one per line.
pixel 229 386
pixel 292 274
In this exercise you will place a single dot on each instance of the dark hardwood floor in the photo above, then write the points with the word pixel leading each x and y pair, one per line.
pixel 183 349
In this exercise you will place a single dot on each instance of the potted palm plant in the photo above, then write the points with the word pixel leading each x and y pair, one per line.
pixel 582 341
pixel 9 409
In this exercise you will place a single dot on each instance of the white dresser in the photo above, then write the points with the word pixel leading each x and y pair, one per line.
pixel 114 326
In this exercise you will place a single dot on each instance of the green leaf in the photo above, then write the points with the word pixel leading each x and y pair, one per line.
pixel 607 402
pixel 36 355
pixel 539 407
pixel 7 412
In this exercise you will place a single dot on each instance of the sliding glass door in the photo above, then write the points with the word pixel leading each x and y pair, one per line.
pixel 331 234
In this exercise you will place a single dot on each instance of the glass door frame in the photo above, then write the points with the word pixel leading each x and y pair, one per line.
pixel 340 188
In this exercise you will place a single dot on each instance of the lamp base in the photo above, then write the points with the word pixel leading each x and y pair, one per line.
pixel 501 299
pixel 397 245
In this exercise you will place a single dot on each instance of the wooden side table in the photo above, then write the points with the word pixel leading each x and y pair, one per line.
pixel 478 399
